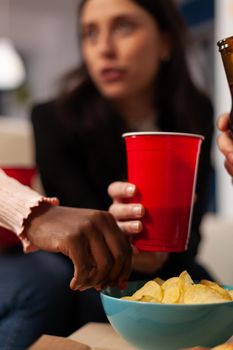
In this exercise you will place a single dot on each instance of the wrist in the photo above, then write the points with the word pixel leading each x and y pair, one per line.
pixel 33 224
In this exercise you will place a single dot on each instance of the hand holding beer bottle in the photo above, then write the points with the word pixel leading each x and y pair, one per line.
pixel 225 122
pixel 225 142
pixel 226 50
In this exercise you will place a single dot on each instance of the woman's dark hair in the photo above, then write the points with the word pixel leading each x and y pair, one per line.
pixel 178 100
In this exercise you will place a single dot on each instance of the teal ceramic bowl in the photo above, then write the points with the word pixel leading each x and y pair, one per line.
pixel 152 326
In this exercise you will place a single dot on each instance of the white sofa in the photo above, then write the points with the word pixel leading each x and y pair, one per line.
pixel 16 142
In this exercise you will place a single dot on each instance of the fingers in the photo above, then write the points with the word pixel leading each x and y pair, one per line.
pixel 130 227
pixel 91 239
pixel 99 250
pixel 93 262
pixel 103 256
pixel 225 143
pixel 83 263
pixel 103 261
pixel 126 211
pixel 223 122
pixel 229 158
pixel 126 215
pixel 120 190
pixel 121 252
pixel 229 167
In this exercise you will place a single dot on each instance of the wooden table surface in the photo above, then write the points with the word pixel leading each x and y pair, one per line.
pixel 100 336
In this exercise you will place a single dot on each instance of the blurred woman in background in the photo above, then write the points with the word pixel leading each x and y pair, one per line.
pixel 133 77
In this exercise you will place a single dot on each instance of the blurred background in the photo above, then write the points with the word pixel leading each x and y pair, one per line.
pixel 38 44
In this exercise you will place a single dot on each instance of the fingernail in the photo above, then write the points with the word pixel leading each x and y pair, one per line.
pixel 80 288
pixel 137 211
pixel 130 190
pixel 76 288
pixel 136 226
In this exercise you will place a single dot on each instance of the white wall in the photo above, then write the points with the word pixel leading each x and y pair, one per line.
pixel 216 249
pixel 45 32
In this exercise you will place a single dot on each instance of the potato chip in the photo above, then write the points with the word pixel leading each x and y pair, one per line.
pixel 185 278
pixel 184 281
pixel 224 293
pixel 127 298
pixel 181 290
pixel 171 291
pixel 158 280
pixel 201 294
pixel 171 282
pixel 231 293
pixel 149 299
pixel 151 289
pixel 171 295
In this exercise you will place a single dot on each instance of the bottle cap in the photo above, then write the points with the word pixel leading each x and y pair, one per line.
pixel 226 43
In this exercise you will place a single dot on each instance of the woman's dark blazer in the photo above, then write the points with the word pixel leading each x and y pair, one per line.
pixel 78 167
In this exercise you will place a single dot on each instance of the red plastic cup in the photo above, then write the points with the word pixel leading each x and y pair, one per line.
pixel 24 175
pixel 163 166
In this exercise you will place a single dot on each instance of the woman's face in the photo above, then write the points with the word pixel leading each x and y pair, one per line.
pixel 122 47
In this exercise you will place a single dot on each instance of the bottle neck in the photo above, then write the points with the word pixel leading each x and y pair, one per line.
pixel 227 58
pixel 226 50
pixel 228 65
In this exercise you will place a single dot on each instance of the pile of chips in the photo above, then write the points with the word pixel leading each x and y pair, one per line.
pixel 181 290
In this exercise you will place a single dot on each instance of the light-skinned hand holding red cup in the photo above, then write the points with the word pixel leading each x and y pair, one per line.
pixel 163 166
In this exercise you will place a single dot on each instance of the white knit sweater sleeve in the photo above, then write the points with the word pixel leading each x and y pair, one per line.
pixel 16 204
